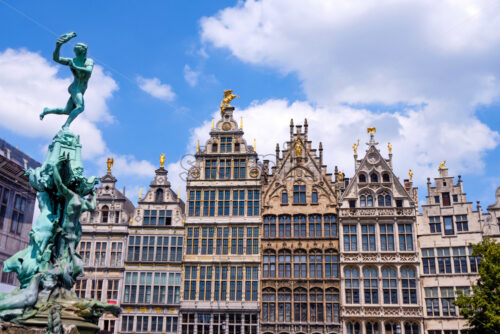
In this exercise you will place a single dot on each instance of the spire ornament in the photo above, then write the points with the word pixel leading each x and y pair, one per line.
pixel 109 164
pixel 162 160
pixel 389 147
pixel 355 147
pixel 228 97
pixel 371 130
pixel 410 174
pixel 442 165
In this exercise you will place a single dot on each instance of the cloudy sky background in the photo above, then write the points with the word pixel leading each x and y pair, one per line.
pixel 424 73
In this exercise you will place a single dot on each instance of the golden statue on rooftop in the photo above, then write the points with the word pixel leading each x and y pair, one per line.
pixel 110 162
pixel 228 97
pixel 162 160
pixel 389 147
pixel 442 165
pixel 298 149
pixel 410 174
pixel 371 130
pixel 355 147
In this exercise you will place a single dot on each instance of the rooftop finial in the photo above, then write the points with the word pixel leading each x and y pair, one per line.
pixel 355 147
pixel 212 126
pixel 254 145
pixel 442 165
pixel 410 174
pixel 110 162
pixel 241 123
pixel 389 147
pixel 228 97
pixel 162 160
pixel 197 146
pixel 371 131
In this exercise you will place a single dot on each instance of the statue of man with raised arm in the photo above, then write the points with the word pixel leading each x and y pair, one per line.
pixel 81 67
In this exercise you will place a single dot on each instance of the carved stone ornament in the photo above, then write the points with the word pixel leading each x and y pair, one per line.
pixel 160 179
pixel 372 158
pixel 194 172
pixel 226 126
pixel 254 172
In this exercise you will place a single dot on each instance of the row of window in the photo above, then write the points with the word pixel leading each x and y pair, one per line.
pixel 236 202
pixel 303 226
pixel 148 324
pixel 314 264
pixel 372 327
pixel 157 217
pixel 382 200
pixel 376 290
pixel 100 289
pixel 445 199
pixel 107 216
pixel 152 288
pixel 315 305
pixel 374 177
pixel 226 145
pixel 217 323
pixel 386 237
pixel 439 301
pixel 299 195
pixel 446 261
pixel 225 169
pixel 154 248
pixel 221 283
pixel 102 252
pixel 222 240
pixel 460 224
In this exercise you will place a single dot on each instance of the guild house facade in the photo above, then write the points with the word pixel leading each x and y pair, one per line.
pixel 220 283
pixel 300 255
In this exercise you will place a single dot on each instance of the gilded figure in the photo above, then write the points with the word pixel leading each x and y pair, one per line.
pixel 162 160
pixel 355 147
pixel 442 165
pixel 109 163
pixel 228 97
pixel 298 149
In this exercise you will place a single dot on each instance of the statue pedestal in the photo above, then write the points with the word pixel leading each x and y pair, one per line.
pixel 40 322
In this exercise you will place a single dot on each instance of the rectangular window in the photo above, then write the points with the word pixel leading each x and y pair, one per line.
pixel 436 199
pixel 446 199
pixel 330 225
pixel 238 202
pixel 428 260
pixel 462 224
pixel 386 237
pixel 252 240
pixel 161 249
pixel 300 226
pixel 225 169
pixel 299 265
pixel 368 237
pixel 473 261
pixel 116 254
pixel 17 221
pixel 299 194
pixel 251 283
pixel 236 283
pixel 285 226
pixel 284 197
pixel 350 238
pixel 150 217
pixel 148 248
pixel 253 203
pixel 432 301
pixel 315 226
pixel 100 254
pixel 460 259
pixel 223 202
pixel 455 198
pixel 127 323
pixel 207 240
pixel 444 260
pixel 190 276
pixel 130 292
pixel 237 240
pixel 435 224
pixel 447 298
pixel 81 287
pixel 85 252
pixel 226 144
pixel 209 203
pixel 269 226
pixel 210 169
pixel 239 168
pixel 448 225
pixel 314 197
pixel 220 287
pixel 205 283
pixel 194 203
pixel 96 289
pixel 4 200
pixel 117 217
pixel 159 288
pixel 112 292
pixel 405 237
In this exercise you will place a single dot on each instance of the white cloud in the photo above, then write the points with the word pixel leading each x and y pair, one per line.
pixel 155 88
pixel 435 61
pixel 191 76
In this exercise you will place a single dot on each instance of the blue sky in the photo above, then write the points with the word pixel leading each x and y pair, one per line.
pixel 425 74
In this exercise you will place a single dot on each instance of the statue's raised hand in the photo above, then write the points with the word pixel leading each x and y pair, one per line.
pixel 66 37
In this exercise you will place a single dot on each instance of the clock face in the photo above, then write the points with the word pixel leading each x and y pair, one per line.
pixel 226 126
pixel 254 172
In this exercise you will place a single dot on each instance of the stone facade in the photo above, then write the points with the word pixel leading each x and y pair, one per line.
pixel 447 226
pixel 300 278
pixel 152 278
pixel 17 204
pixel 222 250
pixel 379 257
pixel 102 248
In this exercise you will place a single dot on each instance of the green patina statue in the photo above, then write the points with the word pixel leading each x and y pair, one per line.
pixel 48 268
pixel 81 66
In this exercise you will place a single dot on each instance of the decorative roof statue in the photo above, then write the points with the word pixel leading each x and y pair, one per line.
pixel 81 67
pixel 410 174
pixel 109 163
pixel 355 147
pixel 298 149
pixel 442 165
pixel 49 266
pixel 389 147
pixel 340 176
pixel 162 160
pixel 371 130
pixel 228 97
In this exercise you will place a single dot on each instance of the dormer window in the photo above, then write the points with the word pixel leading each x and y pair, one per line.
pixel 159 195
pixel 386 178
pixel 362 178
pixel 299 193
pixel 226 144
pixel 373 177
pixel 214 147
pixel 104 214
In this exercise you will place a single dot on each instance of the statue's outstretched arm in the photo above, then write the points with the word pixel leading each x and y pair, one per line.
pixel 89 65
pixel 57 58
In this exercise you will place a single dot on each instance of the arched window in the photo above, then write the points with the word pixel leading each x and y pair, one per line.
pixel 391 328
pixel 411 328
pixel 300 305
pixel 386 178
pixel 330 225
pixel 269 305
pixel 159 195
pixel 269 226
pixel 366 200
pixel 371 328
pixel 353 328
pixel 316 305
pixel 384 199
pixel 351 285
pixel 389 285
pixel 284 305
pixel 315 264
pixel 315 226
pixel 362 178
pixel 299 226
pixel 408 285
pixel 373 177
pixel 284 263
pixel 299 193
pixel 332 306
pixel 370 285
pixel 300 264
pixel 284 197
pixel 331 264
pixel 269 269
pixel 285 226
pixel 105 214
